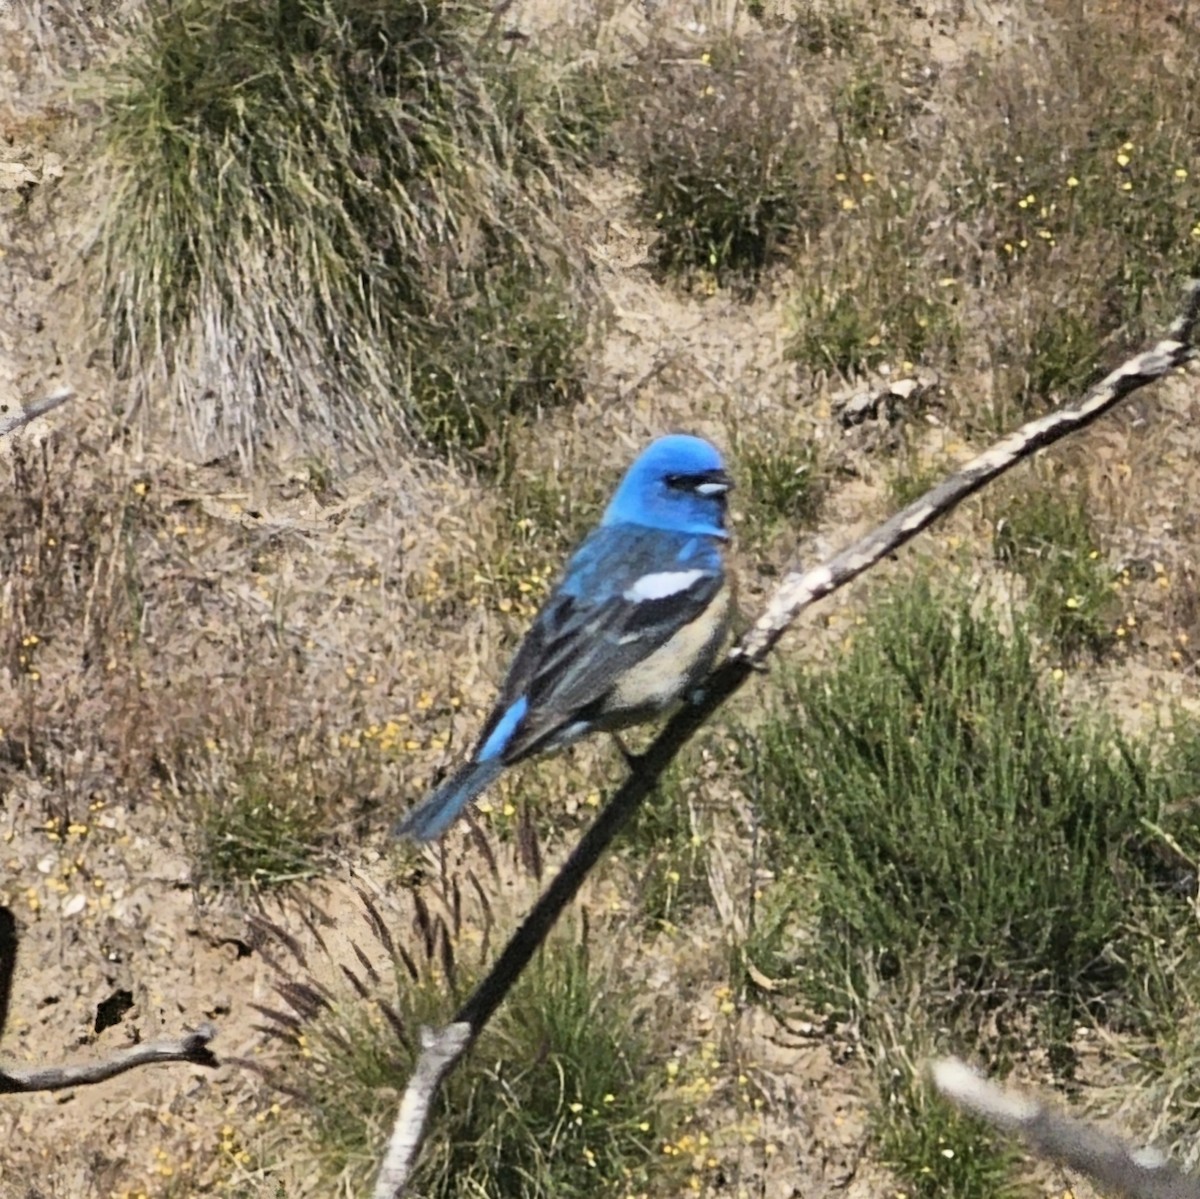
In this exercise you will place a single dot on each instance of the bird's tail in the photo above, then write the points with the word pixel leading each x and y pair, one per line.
pixel 437 812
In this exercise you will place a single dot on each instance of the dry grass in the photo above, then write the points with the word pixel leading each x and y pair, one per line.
pixel 338 230
pixel 252 673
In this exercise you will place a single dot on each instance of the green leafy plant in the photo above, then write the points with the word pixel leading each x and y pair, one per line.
pixel 781 482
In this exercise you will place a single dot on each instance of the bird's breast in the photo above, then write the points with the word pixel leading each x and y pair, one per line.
pixel 676 666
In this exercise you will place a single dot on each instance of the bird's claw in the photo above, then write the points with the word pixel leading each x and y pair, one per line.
pixel 632 760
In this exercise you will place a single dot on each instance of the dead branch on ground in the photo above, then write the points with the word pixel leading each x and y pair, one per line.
pixel 191 1047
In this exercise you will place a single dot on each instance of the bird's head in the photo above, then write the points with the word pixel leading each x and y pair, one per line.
pixel 678 484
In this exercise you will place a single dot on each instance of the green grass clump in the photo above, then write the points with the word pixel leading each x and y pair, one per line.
pixel 936 1152
pixel 558 1098
pixel 259 826
pixel 949 814
pixel 336 217
pixel 822 28
pixel 720 148
pixel 850 333
pixel 1047 538
pixel 781 483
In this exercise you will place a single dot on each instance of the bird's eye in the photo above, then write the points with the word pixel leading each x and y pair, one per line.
pixel 707 483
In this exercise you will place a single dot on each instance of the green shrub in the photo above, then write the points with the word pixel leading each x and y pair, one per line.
pixel 335 217
pixel 1047 538
pixel 721 149
pixel 851 332
pixel 948 814
pixel 879 294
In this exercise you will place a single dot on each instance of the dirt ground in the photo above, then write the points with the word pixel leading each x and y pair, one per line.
pixel 117 941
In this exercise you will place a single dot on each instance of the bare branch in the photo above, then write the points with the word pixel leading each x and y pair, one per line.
pixel 10 421
pixel 440 1051
pixel 192 1047
pixel 798 589
pixel 796 592
pixel 1117 1169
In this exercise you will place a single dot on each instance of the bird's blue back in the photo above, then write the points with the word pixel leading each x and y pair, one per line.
pixel 634 622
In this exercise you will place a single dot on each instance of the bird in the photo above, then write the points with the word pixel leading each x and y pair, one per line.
pixel 632 626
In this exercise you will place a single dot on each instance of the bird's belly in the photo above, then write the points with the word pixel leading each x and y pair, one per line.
pixel 675 667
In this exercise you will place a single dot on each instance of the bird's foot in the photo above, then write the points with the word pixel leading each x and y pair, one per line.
pixel 632 760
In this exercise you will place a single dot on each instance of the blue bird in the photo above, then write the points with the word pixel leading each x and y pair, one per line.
pixel 633 625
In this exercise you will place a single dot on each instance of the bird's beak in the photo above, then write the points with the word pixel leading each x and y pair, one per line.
pixel 714 482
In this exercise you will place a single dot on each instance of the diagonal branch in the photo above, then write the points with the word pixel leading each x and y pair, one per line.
pixel 440 1050
pixel 798 590
pixel 11 420
pixel 192 1047
pixel 1119 1170
pixel 795 593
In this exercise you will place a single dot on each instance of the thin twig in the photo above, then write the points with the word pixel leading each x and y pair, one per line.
pixel 192 1047
pixel 1118 1169
pixel 11 421
pixel 440 1050
pixel 796 592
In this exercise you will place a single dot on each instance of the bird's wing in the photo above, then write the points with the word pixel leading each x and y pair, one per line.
pixel 616 605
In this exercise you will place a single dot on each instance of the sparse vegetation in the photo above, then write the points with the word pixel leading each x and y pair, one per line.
pixel 336 226
pixel 1045 535
pixel 721 148
pixel 668 855
pixel 912 476
pixel 784 484
pixel 935 1151
pixel 367 177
